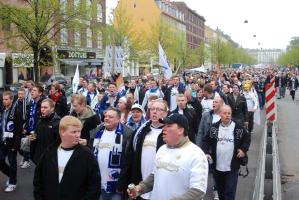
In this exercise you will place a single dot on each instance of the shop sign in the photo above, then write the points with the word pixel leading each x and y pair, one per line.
pixel 2 59
pixel 22 60
pixel 69 54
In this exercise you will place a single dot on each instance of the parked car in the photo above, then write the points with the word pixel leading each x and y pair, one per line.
pixel 60 78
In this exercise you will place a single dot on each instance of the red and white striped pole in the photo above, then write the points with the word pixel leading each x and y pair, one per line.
pixel 271 101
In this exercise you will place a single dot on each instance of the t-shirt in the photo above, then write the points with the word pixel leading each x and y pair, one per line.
pixel 179 169
pixel 148 155
pixel 225 147
pixel 63 156
pixel 207 105
pixel 173 95
pixel 104 148
pixel 215 118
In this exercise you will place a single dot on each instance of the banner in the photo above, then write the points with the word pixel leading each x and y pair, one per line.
pixel 22 60
pixel 2 59
pixel 163 62
pixel 76 80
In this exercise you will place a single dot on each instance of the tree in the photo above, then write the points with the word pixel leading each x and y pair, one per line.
pixel 39 21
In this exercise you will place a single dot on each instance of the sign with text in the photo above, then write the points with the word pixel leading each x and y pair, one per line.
pixel 69 54
pixel 22 60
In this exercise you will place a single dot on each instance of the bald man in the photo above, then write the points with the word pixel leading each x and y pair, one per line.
pixel 226 145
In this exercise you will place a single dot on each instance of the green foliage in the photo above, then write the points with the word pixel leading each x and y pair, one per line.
pixel 291 56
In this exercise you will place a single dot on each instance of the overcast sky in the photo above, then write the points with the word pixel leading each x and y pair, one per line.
pixel 274 22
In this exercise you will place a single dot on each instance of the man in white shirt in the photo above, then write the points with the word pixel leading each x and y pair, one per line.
pixel 181 168
pixel 109 147
pixel 141 153
pixel 226 145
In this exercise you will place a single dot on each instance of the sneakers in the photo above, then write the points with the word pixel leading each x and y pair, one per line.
pixel 216 196
pixel 10 188
pixel 25 165
pixel 22 162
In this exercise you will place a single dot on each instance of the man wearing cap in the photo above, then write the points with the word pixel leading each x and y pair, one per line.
pixel 140 156
pixel 180 168
pixel 136 119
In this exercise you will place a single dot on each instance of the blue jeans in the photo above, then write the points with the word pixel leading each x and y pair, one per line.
pixel 11 169
pixel 110 196
pixel 261 96
pixel 226 184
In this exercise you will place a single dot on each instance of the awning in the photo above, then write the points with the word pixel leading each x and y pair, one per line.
pixel 84 62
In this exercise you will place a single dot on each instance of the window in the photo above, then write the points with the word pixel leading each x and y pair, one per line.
pixel 100 40
pixel 77 37
pixel 89 38
pixel 63 36
pixel 99 12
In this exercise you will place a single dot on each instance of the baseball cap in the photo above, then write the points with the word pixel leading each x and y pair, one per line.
pixel 137 106
pixel 176 118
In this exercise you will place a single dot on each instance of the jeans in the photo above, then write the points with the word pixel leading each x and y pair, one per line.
pixel 261 96
pixel 25 154
pixel 292 93
pixel 110 196
pixel 11 169
pixel 227 184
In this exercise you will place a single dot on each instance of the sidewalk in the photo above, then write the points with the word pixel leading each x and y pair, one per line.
pixel 288 143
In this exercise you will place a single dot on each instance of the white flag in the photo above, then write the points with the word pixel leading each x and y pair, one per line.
pixel 163 62
pixel 76 80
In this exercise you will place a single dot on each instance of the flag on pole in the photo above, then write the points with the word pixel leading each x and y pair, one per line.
pixel 163 62
pixel 76 80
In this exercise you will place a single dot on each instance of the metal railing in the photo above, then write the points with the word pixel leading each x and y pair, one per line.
pixel 268 180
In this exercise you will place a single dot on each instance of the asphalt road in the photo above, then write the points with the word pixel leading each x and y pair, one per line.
pixel 288 142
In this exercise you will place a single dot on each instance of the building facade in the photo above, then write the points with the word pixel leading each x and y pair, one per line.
pixel 81 46
pixel 195 25
pixel 265 56
pixel 84 45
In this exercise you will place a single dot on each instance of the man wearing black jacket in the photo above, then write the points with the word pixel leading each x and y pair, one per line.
pixel 238 104
pixel 172 93
pixel 189 113
pixel 141 152
pixel 46 130
pixel 89 119
pixel 67 170
pixel 9 140
pixel 226 145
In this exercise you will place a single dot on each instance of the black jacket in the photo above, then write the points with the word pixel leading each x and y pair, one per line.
pixel 47 130
pixel 38 112
pixel 14 115
pixel 80 181
pixel 280 80
pixel 242 141
pixel 131 171
pixel 61 107
pixel 239 108
pixel 190 114
pixel 90 124
pixel 196 105
pixel 167 95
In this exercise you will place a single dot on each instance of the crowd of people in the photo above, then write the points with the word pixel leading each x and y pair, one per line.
pixel 149 139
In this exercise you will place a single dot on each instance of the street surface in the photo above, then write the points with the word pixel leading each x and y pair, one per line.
pixel 288 141
pixel 244 189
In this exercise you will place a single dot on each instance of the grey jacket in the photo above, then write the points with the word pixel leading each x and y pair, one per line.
pixel 204 126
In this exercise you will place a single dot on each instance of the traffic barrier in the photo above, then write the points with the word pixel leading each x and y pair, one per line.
pixel 271 101
pixel 268 180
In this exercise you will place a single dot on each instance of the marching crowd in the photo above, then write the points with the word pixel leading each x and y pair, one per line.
pixel 149 139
